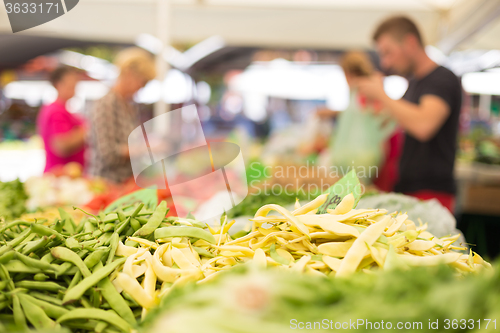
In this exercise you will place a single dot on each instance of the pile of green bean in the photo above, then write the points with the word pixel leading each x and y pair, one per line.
pixel 55 275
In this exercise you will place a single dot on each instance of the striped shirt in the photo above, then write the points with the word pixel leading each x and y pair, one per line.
pixel 112 119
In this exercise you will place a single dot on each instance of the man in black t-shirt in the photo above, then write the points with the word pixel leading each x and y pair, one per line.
pixel 428 112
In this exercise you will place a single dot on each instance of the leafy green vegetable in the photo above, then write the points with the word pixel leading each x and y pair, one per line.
pixel 12 199
pixel 246 300
pixel 254 201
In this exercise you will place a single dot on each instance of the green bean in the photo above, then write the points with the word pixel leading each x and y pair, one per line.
pixel 95 298
pixel 36 263
pixel 19 317
pixel 135 224
pixel 72 243
pixel 53 311
pixel 35 314
pixel 3 305
pixel 94 258
pixel 64 268
pixel 113 245
pixel 85 303
pixel 88 244
pixel 13 224
pixel 33 256
pixel 7 257
pixel 203 252
pixel 7 319
pixel 66 254
pixel 137 210
pixel 14 242
pixel 88 228
pixel 104 238
pixel 130 299
pixel 3 284
pixel 154 221
pixel 115 300
pixel 4 276
pixel 58 226
pixel 79 227
pixel 44 231
pixel 86 326
pixel 74 208
pixel 81 234
pixel 110 218
pixel 97 233
pixel 108 227
pixel 142 220
pixel 76 292
pixel 76 279
pixel 108 316
pixel 192 232
pixel 46 298
pixel 36 245
pixel 40 277
pixel 39 285
pixel 101 326
pixel 68 221
pixel 24 242
pixel 16 266
pixel 120 228
pixel 83 253
pixel 129 232
pixel 121 215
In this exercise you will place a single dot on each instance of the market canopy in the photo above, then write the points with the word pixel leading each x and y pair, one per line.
pixel 319 24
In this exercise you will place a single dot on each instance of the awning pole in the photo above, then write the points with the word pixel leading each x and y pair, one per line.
pixel 162 67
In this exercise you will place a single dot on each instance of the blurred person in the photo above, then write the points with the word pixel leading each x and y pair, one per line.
pixel 115 116
pixel 63 133
pixel 428 112
pixel 357 65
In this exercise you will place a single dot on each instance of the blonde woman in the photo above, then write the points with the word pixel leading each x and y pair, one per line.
pixel 114 116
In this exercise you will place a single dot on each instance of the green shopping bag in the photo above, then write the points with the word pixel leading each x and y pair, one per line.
pixel 358 140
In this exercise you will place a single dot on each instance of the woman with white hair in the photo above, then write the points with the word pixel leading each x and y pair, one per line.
pixel 114 116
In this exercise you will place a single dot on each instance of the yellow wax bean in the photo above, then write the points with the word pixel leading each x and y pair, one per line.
pixel 358 249
pixel 345 205
pixel 420 245
pixel 138 270
pixel 259 258
pixel 297 203
pixel 242 239
pixel 191 255
pixel 144 242
pixel 127 267
pixel 125 251
pixel 134 289
pixel 236 248
pixel 228 226
pixel 285 254
pixel 180 259
pixel 300 265
pixel 462 266
pixel 328 225
pixel 395 226
pixel 164 273
pixel 311 205
pixel 335 249
pixel 376 255
pixel 435 260
pixel 150 280
pixel 292 219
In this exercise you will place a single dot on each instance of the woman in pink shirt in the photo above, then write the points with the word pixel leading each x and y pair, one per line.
pixel 62 132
